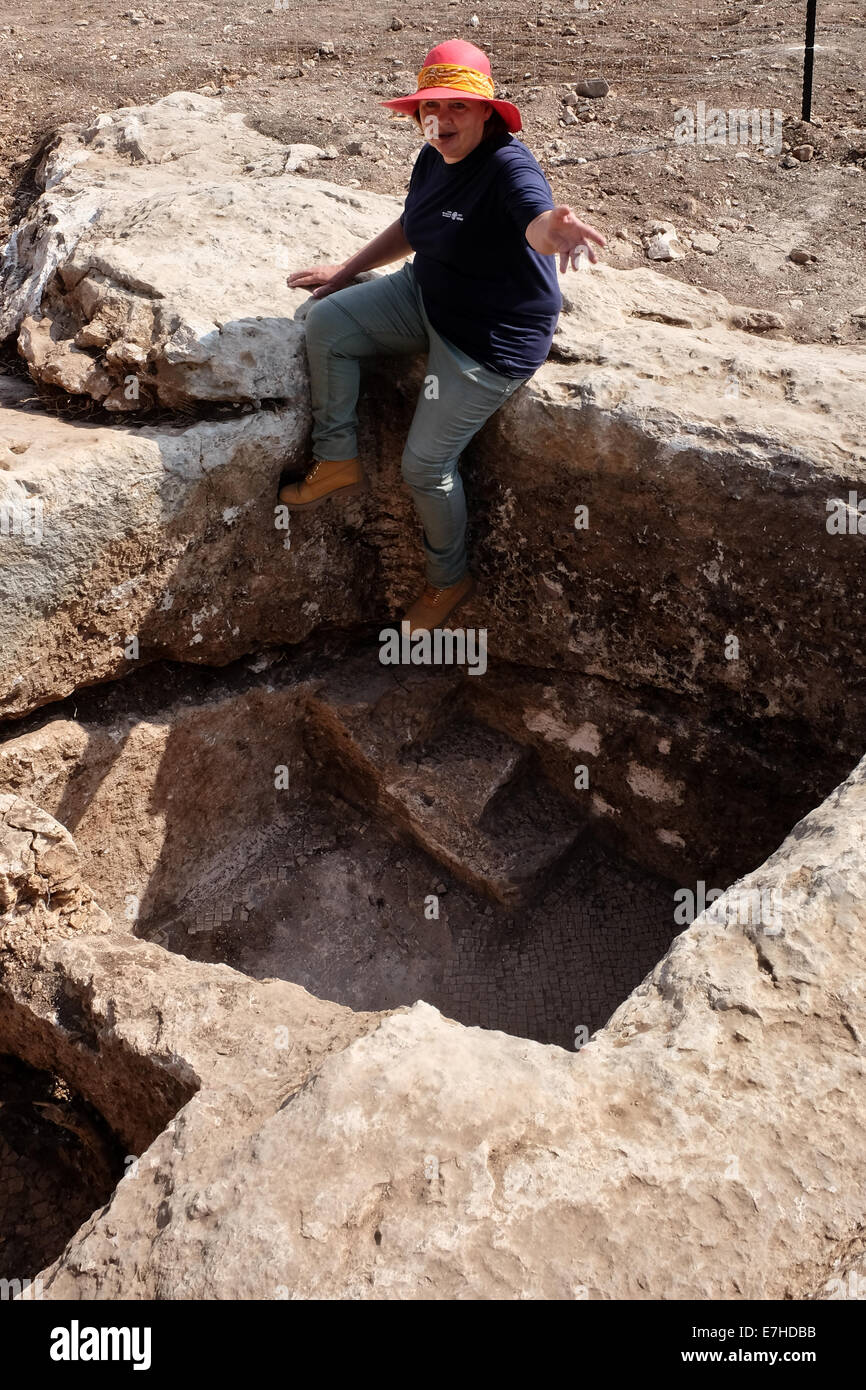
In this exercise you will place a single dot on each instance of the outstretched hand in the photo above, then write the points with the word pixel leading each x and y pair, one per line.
pixel 570 238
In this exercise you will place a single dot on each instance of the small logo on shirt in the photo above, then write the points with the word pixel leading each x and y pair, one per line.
pixel 455 216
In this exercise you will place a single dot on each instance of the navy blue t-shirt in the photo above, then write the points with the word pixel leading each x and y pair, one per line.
pixel 484 287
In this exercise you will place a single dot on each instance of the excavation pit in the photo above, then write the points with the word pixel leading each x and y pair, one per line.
pixel 382 837
pixel 343 910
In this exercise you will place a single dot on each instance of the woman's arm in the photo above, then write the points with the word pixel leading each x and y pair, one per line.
pixel 559 232
pixel 388 246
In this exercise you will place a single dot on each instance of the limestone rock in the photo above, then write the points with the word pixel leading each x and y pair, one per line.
pixel 592 87
pixel 122 545
pixel 171 229
pixel 705 242
pixel 41 887
pixel 301 156
pixel 662 242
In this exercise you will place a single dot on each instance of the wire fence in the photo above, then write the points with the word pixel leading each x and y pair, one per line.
pixel 644 50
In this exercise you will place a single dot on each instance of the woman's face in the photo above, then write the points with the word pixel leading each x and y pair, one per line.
pixel 455 127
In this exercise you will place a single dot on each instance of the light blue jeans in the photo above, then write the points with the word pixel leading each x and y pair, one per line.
pixel 386 317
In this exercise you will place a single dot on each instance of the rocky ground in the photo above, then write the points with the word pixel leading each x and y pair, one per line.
pixel 316 73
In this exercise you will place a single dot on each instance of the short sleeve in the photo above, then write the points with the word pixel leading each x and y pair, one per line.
pixel 524 192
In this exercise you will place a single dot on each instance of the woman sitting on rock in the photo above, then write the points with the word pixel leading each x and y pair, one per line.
pixel 481 298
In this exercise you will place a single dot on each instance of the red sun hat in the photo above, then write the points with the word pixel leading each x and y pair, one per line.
pixel 456 66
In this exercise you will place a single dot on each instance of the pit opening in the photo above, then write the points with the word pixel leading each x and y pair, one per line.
pixel 59 1162
pixel 79 1103
pixel 380 837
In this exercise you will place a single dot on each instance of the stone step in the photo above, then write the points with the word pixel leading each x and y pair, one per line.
pixel 466 766
pixel 478 805
pixel 387 713
pixel 470 796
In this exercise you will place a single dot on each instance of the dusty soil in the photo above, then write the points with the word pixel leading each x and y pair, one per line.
pixel 274 63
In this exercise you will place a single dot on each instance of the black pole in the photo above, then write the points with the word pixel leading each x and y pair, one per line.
pixel 809 58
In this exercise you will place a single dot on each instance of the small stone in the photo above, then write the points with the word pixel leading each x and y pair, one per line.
pixel 592 87
pixel 569 118
pixel 803 153
pixel 789 162
pixel 756 320
pixel 664 246
pixel 570 100
pixel 397 24
pixel 800 256
pixel 705 242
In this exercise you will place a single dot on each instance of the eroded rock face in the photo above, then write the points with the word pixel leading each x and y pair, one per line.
pixel 159 253
pixel 40 876
pixel 122 545
pixel 431 1160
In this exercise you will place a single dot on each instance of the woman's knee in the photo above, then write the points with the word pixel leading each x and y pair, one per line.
pixel 324 323
pixel 427 473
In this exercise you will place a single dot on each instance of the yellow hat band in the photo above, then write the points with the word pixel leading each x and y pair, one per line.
pixel 453 75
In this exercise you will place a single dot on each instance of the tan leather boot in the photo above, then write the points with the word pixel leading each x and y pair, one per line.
pixel 327 478
pixel 434 606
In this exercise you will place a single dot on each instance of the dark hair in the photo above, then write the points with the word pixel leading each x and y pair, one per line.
pixel 495 124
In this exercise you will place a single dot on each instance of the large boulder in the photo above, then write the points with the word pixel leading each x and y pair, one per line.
pixel 153 267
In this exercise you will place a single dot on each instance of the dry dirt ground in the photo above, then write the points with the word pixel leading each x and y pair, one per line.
pixel 316 72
